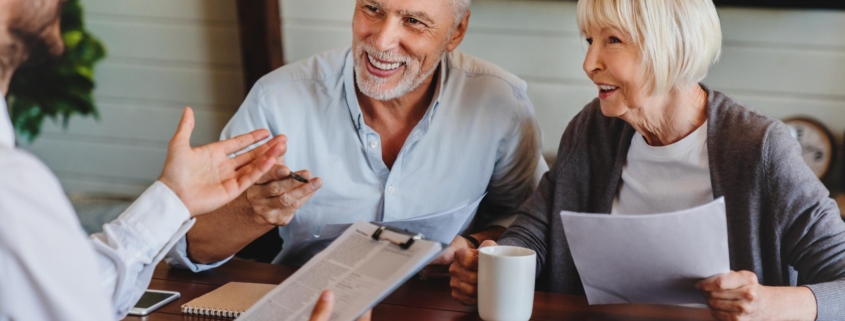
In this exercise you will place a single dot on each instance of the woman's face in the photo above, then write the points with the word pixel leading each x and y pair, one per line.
pixel 614 64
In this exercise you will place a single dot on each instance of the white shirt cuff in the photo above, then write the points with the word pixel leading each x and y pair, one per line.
pixel 178 258
pixel 156 216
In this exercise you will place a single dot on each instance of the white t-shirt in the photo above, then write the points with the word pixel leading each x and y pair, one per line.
pixel 665 178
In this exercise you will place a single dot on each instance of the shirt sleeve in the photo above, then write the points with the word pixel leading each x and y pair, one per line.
pixel 132 245
pixel 532 226
pixel 178 258
pixel 250 116
pixel 536 219
pixel 812 231
pixel 47 268
pixel 519 167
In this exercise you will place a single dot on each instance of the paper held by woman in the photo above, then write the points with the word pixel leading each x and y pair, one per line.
pixel 654 258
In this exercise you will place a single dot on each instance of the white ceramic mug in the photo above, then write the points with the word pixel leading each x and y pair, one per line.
pixel 506 283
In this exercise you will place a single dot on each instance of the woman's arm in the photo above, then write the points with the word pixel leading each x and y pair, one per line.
pixel 812 232
pixel 812 240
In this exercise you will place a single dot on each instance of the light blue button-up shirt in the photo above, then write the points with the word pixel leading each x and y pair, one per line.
pixel 479 134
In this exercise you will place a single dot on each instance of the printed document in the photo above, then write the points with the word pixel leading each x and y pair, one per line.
pixel 360 270
pixel 654 258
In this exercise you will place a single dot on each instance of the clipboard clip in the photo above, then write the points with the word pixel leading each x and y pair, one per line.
pixel 403 245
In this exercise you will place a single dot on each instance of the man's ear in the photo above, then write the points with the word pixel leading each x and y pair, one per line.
pixel 458 34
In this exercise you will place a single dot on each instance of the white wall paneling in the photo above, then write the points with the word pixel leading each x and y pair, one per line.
pixel 163 55
pixel 184 10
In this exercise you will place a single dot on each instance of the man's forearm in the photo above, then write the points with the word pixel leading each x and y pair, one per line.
pixel 224 232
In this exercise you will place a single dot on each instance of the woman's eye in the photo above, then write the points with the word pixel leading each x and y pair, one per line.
pixel 614 40
pixel 589 41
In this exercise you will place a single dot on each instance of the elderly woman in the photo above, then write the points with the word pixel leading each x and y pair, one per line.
pixel 654 141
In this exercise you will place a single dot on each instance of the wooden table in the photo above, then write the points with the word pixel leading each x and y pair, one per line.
pixel 415 300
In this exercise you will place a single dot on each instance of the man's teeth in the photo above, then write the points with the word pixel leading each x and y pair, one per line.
pixel 607 87
pixel 383 66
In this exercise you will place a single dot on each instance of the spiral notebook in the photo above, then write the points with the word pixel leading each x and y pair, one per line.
pixel 229 300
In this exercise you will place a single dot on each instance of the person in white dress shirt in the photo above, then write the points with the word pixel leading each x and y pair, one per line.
pixel 48 270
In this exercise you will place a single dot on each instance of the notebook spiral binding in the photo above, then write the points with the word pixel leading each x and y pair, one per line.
pixel 211 312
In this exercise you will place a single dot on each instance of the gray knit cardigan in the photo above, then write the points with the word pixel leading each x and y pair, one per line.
pixel 782 223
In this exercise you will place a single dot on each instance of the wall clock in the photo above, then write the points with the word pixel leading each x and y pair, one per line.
pixel 817 145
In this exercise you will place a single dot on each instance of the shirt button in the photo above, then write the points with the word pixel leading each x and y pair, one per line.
pixel 390 189
pixel 373 144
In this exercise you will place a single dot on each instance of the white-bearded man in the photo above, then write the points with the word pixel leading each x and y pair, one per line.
pixel 398 126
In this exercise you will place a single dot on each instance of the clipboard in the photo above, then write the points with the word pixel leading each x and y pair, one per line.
pixel 377 235
pixel 362 266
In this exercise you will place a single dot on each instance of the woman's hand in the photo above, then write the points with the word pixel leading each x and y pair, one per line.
pixel 439 268
pixel 204 177
pixel 739 296
pixel 325 304
pixel 464 272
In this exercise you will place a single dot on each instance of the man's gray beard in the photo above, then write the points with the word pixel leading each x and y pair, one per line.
pixel 374 87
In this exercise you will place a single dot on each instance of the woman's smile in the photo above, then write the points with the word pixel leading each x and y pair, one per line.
pixel 606 90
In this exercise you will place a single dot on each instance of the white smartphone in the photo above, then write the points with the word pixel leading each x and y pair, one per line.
pixel 152 300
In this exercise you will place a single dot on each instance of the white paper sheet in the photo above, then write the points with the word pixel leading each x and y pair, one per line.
pixel 360 271
pixel 654 258
pixel 440 227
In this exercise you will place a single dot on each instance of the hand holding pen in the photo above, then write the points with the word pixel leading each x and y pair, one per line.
pixel 280 193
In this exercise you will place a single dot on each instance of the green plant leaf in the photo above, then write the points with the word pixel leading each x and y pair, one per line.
pixel 58 89
pixel 72 38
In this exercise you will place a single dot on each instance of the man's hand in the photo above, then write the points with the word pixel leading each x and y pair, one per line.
pixel 325 304
pixel 204 177
pixel 439 268
pixel 464 271
pixel 277 196
pixel 739 296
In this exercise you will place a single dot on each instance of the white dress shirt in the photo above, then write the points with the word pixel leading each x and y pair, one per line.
pixel 49 270
pixel 660 179
pixel 480 134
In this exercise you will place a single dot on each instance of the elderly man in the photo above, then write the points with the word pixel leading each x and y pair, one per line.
pixel 399 126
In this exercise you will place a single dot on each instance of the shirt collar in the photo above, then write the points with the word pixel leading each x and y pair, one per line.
pixel 7 132
pixel 352 98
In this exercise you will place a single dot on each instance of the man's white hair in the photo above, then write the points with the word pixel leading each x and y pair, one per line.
pixel 679 39
pixel 460 7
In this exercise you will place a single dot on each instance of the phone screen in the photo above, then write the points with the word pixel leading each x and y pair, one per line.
pixel 151 298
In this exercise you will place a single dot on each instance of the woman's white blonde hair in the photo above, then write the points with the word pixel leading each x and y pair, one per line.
pixel 680 39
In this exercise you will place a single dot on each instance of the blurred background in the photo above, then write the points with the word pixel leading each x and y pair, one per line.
pixel 164 55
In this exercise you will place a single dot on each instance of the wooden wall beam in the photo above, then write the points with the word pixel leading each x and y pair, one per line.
pixel 260 27
pixel 791 4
